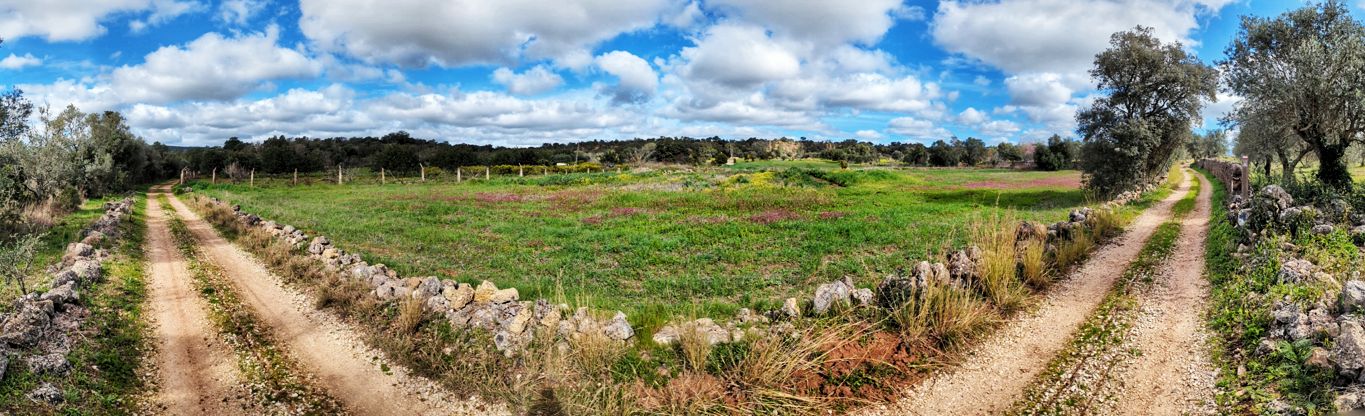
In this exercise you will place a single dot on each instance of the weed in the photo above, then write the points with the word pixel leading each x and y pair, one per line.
pixel 411 313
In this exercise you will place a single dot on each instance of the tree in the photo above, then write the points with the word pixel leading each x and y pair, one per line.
pixel 1306 66
pixel 1153 94
pixel 14 114
pixel 1056 154
pixel 1264 137
pixel 973 151
pixel 16 259
pixel 395 158
pixel 943 154
pixel 1009 152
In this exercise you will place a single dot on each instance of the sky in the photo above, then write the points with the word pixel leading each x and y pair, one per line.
pixel 526 72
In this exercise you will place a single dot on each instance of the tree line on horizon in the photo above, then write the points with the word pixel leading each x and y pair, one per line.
pixel 401 152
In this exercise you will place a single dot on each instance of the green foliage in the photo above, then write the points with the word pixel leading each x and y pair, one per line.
pixel 1154 92
pixel 1056 154
pixel 1298 73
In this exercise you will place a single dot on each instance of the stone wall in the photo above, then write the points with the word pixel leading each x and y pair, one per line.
pixel 38 330
pixel 512 321
pixel 1234 175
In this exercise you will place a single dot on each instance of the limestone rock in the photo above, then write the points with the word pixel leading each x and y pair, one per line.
pixel 484 293
pixel 1353 296
pixel 618 328
pixel 1349 352
pixel 863 297
pixel 1296 271
pixel 62 295
pixel 1318 357
pixel 86 270
pixel 1323 229
pixel 459 295
pixel 23 327
pixel 54 363
pixel 828 294
pixel 46 393
pixel 504 295
pixel 520 321
pixel 789 309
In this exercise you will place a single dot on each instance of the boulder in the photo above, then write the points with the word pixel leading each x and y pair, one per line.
pixel 459 295
pixel 78 250
pixel 1353 296
pixel 618 328
pixel 1323 229
pixel 428 287
pixel 828 294
pixel 1349 352
pixel 86 270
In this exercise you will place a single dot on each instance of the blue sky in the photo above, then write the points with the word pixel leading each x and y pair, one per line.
pixel 524 72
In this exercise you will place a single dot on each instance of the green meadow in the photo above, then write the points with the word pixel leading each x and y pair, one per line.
pixel 659 244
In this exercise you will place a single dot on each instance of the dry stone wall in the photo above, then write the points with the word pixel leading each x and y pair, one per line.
pixel 501 311
pixel 39 329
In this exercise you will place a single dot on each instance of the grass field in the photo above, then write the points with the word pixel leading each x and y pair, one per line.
pixel 662 244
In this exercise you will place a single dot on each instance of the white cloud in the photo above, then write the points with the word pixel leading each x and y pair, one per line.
pixel 636 79
pixel 421 33
pixel 19 62
pixel 972 116
pixel 212 67
pixel 533 81
pixel 868 134
pixel 822 22
pixel 240 12
pixel 74 20
pixel 1056 35
pixel 163 11
pixel 739 56
pixel 917 129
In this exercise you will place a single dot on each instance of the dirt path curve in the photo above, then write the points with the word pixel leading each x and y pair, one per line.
pixel 1173 375
pixel 328 348
pixel 195 370
pixel 994 374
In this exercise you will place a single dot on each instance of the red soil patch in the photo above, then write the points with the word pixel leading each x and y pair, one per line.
pixel 772 216
pixel 832 215
pixel 490 197
pixel 627 211
pixel 882 359
pixel 1069 181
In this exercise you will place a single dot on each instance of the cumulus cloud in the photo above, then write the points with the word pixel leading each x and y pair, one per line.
pixel 212 67
pixel 820 21
pixel 972 116
pixel 1056 35
pixel 69 20
pixel 636 80
pixel 421 33
pixel 19 62
pixel 739 56
pixel 917 129
pixel 533 81
pixel 240 12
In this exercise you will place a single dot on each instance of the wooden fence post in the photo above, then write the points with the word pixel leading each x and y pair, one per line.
pixel 521 171
pixel 296 176
pixel 459 170
pixel 338 174
pixel 381 177
pixel 253 178
pixel 182 176
pixel 487 173
pixel 214 181
pixel 424 171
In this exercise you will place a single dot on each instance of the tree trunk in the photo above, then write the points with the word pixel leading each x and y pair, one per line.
pixel 1332 169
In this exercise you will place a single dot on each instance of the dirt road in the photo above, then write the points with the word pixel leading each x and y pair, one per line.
pixel 329 349
pixel 994 375
pixel 1173 375
pixel 196 372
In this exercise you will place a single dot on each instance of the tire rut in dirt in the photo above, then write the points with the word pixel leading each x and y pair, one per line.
pixel 995 374
pixel 195 372
pixel 330 350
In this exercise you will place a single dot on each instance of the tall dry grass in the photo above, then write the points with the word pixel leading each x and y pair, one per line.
pixel 997 271
pixel 766 371
pixel 942 313
pixel 1033 266
pixel 1071 252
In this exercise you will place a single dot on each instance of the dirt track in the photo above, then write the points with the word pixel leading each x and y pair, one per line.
pixel 1173 375
pixel 196 372
pixel 328 348
pixel 994 375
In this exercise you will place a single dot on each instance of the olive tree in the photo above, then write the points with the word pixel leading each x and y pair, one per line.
pixel 1152 94
pixel 1263 137
pixel 1307 68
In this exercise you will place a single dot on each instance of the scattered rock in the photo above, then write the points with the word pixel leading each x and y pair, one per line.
pixel 46 393
pixel 1319 358
pixel 1353 296
pixel 789 309
pixel 618 328
pixel 504 295
pixel 459 295
pixel 1349 352
pixel 1296 271
pixel 863 297
pixel 828 294
pixel 54 363
pixel 1323 229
